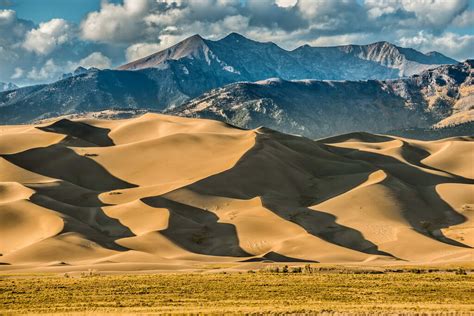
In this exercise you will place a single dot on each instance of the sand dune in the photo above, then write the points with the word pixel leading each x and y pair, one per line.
pixel 176 191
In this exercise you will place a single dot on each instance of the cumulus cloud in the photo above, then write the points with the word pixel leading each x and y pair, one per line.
pixel 51 70
pixel 116 22
pixel 465 19
pixel 356 38
pixel 46 72
pixel 140 50
pixel 7 16
pixel 49 35
pixel 12 28
pixel 95 60
pixel 435 13
pixel 18 73
pixel 286 3
pixel 457 46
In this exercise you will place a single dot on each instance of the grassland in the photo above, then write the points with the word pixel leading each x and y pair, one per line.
pixel 261 292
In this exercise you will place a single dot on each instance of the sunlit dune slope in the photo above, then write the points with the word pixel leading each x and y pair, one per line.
pixel 178 191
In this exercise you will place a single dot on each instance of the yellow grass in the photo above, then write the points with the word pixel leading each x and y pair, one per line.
pixel 260 292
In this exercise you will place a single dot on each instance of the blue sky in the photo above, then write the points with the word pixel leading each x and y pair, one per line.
pixel 41 39
pixel 45 10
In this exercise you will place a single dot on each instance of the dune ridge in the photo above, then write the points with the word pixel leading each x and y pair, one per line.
pixel 176 192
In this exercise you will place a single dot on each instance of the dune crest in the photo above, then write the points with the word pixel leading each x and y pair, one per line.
pixel 178 191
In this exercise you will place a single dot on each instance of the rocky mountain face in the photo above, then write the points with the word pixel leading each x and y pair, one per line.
pixel 91 91
pixel 184 71
pixel 248 60
pixel 7 86
pixel 435 99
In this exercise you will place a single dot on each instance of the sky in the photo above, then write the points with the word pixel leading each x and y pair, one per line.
pixel 42 39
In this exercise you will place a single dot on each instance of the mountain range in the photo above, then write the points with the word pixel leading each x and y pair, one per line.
pixel 238 58
pixel 174 80
pixel 435 99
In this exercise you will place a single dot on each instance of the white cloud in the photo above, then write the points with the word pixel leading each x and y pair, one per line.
pixel 47 72
pixel 47 37
pixel 140 50
pixel 433 15
pixel 345 39
pixel 7 17
pixel 96 60
pixel 437 13
pixel 51 70
pixel 466 19
pixel 18 73
pixel 286 3
pixel 454 45
pixel 115 22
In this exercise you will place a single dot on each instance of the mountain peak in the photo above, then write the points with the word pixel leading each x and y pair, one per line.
pixel 235 35
pixel 193 38
pixel 79 70
pixel 445 59
pixel 188 47
pixel 382 43
pixel 7 86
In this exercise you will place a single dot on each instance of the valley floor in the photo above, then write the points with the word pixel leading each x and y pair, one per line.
pixel 316 290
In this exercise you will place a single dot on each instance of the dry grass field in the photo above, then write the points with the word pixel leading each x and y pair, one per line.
pixel 330 291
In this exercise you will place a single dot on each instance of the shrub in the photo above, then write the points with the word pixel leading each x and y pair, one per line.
pixel 89 273
pixel 273 269
pixel 296 270
pixel 460 271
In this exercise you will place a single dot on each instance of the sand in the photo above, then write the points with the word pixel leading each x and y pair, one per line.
pixel 163 192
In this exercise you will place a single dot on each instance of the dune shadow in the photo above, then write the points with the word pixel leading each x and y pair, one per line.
pixel 325 226
pixel 356 136
pixel 240 183
pixel 60 162
pixel 80 134
pixel 80 181
pixel 68 193
pixel 423 184
pixel 91 222
pixel 276 257
pixel 198 230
